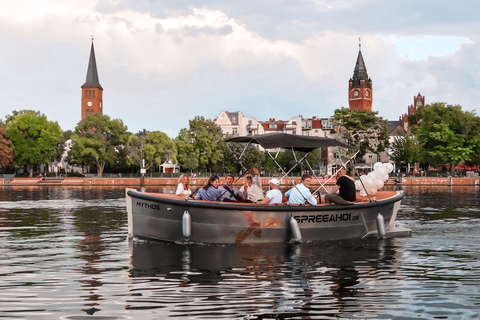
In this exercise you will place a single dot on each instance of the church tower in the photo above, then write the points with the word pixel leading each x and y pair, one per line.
pixel 360 86
pixel 92 91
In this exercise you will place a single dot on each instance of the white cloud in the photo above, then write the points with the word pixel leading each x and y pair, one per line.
pixel 162 63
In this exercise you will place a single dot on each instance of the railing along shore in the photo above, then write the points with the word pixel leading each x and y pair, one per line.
pixel 165 181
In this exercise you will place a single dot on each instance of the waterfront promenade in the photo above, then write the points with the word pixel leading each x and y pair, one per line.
pixel 134 182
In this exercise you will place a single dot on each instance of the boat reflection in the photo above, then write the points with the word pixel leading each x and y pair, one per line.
pixel 320 278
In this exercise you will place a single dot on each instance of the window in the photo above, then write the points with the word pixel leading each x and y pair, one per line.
pixel 272 126
pixel 234 131
pixel 93 91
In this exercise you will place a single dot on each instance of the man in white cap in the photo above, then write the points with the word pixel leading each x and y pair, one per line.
pixel 273 196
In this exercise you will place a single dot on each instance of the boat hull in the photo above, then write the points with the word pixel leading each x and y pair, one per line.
pixel 170 218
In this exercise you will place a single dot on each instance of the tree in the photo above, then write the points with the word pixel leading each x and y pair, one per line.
pixel 362 129
pixel 6 152
pixel 251 157
pixel 201 147
pixel 447 134
pixel 149 148
pixel 405 150
pixel 34 138
pixel 98 140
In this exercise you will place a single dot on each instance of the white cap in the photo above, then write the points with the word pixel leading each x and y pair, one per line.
pixel 274 181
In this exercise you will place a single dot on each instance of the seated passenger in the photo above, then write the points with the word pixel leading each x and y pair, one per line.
pixel 210 192
pixel 229 192
pixel 183 188
pixel 252 190
pixel 273 196
pixel 345 187
pixel 301 192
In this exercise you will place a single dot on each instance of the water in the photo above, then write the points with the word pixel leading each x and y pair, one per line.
pixel 64 255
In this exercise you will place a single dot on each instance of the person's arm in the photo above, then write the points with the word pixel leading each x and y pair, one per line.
pixel 265 200
pixel 287 194
pixel 335 189
pixel 179 191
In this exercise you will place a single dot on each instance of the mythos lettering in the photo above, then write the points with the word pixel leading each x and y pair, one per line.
pixel 147 205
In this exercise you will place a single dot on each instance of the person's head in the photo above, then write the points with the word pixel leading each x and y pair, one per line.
pixel 184 180
pixel 229 179
pixel 249 177
pixel 274 183
pixel 342 172
pixel 212 181
pixel 306 180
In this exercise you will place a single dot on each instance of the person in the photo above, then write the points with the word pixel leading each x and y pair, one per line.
pixel 273 196
pixel 210 192
pixel 229 192
pixel 183 188
pixel 252 189
pixel 301 192
pixel 345 187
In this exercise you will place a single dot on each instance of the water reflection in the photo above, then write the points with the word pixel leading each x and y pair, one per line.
pixel 284 280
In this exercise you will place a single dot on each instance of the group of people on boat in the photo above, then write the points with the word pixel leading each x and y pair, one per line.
pixel 252 191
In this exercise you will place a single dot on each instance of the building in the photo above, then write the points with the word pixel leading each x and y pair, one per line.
pixel 360 91
pixel 92 91
pixel 418 102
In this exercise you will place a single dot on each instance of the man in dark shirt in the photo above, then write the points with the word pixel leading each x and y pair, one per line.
pixel 346 189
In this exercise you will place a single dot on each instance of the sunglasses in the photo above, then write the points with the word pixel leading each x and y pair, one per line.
pixel 249 177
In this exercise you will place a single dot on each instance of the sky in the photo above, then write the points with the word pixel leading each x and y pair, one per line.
pixel 161 63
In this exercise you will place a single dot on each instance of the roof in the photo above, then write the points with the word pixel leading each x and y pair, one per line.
pixel 92 74
pixel 284 140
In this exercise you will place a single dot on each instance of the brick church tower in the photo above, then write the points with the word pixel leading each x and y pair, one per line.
pixel 360 86
pixel 92 91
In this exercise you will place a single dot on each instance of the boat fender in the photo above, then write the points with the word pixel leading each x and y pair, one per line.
pixel 381 225
pixel 297 236
pixel 186 225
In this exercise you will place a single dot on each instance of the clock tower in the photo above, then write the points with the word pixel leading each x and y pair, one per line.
pixel 360 86
pixel 92 91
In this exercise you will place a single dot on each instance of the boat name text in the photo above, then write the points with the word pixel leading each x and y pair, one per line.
pixel 147 205
pixel 326 217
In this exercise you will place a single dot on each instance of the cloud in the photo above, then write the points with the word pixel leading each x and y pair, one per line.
pixel 161 62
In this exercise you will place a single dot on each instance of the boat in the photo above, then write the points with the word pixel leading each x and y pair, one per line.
pixel 171 218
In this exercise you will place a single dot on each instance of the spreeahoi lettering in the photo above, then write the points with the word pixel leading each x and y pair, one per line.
pixel 147 205
pixel 314 218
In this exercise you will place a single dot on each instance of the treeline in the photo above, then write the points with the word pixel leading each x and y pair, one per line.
pixel 438 134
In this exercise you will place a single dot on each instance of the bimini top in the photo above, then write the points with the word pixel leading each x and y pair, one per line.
pixel 290 141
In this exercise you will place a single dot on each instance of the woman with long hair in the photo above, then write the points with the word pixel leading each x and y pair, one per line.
pixel 210 192
pixel 183 188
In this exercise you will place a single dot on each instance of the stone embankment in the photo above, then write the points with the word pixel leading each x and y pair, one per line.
pixel 200 181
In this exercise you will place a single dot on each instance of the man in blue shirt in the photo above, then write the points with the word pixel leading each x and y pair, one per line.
pixel 301 192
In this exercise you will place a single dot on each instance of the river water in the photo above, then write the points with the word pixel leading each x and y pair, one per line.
pixel 64 255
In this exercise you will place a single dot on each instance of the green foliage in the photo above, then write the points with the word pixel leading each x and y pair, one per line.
pixel 405 150
pixel 448 134
pixel 202 147
pixel 34 138
pixel 153 147
pixel 98 140
pixel 362 129
pixel 252 157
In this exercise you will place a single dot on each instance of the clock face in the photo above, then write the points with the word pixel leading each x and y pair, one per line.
pixel 355 93
pixel 419 103
pixel 89 103
pixel 366 93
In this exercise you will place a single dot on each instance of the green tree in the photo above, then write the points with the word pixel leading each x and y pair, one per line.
pixel 34 138
pixel 6 152
pixel 405 150
pixel 98 140
pixel 448 134
pixel 201 147
pixel 362 129
pixel 150 148
pixel 251 157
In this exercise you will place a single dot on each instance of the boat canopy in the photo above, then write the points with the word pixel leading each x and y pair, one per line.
pixel 290 141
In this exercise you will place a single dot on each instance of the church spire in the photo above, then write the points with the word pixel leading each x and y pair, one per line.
pixel 360 85
pixel 92 74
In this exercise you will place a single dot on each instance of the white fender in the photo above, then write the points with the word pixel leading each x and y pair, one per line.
pixel 297 236
pixel 381 226
pixel 186 224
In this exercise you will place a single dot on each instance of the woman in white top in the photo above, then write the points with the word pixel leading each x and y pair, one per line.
pixel 183 188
